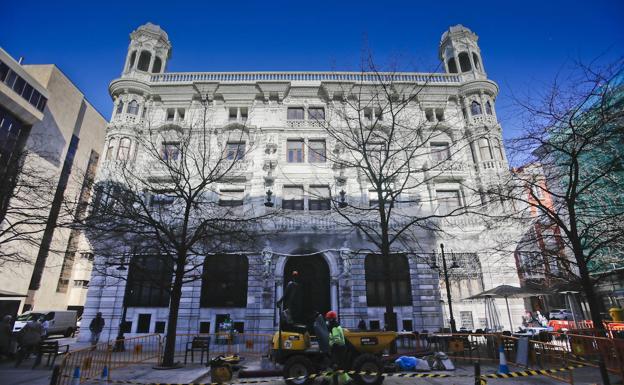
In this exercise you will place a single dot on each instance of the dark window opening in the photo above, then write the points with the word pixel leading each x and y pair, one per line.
pixel 157 65
pixel 464 62
pixel 475 108
pixel 476 61
pixel 144 61
pixel 295 151
pixel 231 198
pixel 239 327
pixel 407 325
pixel 398 274
pixel 235 151
pixel 133 107
pixel 374 325
pixel 452 67
pixel 316 113
pixel 488 108
pixel 159 326
pixel 143 324
pixel 204 327
pixel 224 281
pixel 317 151
pixel 149 280
pixel 318 198
pixel 132 60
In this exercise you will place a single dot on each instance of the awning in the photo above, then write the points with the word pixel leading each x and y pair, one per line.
pixel 6 294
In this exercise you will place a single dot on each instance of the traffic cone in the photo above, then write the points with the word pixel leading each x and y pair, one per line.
pixel 76 377
pixel 105 373
pixel 502 366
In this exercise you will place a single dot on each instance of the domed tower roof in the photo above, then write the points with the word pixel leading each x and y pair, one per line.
pixel 457 32
pixel 154 29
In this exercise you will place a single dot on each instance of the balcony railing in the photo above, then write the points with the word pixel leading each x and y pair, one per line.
pixel 237 77
pixel 491 165
pixel 304 123
pixel 484 120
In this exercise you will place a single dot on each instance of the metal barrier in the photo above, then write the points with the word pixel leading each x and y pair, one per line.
pixel 591 349
pixel 112 355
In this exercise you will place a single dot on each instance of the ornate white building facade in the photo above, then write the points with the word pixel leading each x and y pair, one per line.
pixel 282 109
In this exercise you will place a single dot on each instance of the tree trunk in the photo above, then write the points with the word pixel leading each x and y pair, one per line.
pixel 174 308
pixel 594 307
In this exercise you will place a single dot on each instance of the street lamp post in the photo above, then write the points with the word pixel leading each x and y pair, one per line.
pixel 120 345
pixel 448 287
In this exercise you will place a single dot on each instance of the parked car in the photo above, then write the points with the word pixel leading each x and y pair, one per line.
pixel 59 321
pixel 560 314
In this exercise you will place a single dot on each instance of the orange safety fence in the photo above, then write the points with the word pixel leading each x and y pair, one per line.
pixel 592 349
pixel 112 355
pixel 243 344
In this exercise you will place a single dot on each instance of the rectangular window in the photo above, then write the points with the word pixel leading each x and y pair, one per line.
pixel 439 114
pixel 231 198
pixel 143 324
pixel 87 256
pixel 295 151
pixel 159 326
pixel 19 85
pixel 181 113
pixel 318 198
pixel 292 198
pixel 204 327
pixel 239 327
pixel 407 325
pixel 399 274
pixel 374 325
pixel 4 71
pixel 316 113
pixel 448 201
pixel 235 151
pixel 233 113
pixel 149 280
pixel 371 113
pixel 295 113
pixel 484 149
pixel 440 152
pixel 161 200
pixel 170 114
pixel 317 151
pixel 373 198
pixel 244 113
pixel 375 153
pixel 170 151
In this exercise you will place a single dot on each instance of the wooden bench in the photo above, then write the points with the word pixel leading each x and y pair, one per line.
pixel 201 344
pixel 52 349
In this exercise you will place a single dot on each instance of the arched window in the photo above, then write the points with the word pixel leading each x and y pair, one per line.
pixel 399 276
pixel 464 62
pixel 475 108
pixel 120 107
pixel 149 280
pixel 132 60
pixel 110 150
pixel 477 63
pixel 498 149
pixel 144 61
pixel 133 107
pixel 484 149
pixel 224 281
pixel 157 65
pixel 488 108
pixel 124 149
pixel 452 66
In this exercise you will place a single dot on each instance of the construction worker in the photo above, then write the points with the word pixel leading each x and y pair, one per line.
pixel 337 346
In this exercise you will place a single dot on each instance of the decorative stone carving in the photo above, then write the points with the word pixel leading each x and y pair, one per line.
pixel 267 260
pixel 345 258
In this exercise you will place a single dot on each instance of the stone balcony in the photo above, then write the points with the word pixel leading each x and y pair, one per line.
pixel 492 165
pixel 484 120
pixel 451 169
pixel 305 123
pixel 127 119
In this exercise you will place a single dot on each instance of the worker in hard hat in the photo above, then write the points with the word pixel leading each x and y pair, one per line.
pixel 337 345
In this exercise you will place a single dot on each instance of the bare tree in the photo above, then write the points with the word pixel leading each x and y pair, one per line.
pixel 27 190
pixel 574 133
pixel 387 144
pixel 166 201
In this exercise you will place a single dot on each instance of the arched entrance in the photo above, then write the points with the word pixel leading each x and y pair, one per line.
pixel 314 281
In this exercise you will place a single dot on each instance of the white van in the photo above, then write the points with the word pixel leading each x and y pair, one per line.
pixel 59 321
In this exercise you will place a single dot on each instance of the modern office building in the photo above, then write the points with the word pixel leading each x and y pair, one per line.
pixel 51 141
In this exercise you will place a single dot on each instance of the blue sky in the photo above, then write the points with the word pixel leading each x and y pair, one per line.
pixel 524 44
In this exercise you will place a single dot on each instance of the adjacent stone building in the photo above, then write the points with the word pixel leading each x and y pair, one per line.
pixel 285 154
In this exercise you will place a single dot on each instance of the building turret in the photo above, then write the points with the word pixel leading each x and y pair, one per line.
pixel 148 52
pixel 460 52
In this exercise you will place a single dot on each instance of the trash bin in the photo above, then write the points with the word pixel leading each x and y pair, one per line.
pixel 617 314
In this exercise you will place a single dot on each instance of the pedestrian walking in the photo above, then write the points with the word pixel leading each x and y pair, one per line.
pixel 28 339
pixel 45 324
pixel 95 327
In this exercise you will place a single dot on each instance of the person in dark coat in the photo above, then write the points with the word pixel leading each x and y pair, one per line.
pixel 292 301
pixel 28 339
pixel 5 336
pixel 95 327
